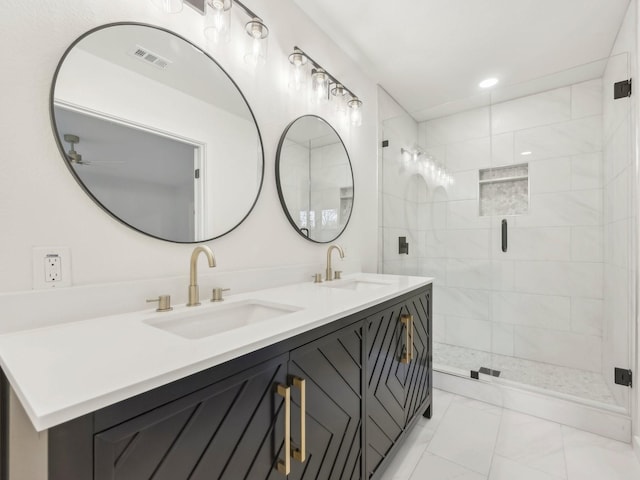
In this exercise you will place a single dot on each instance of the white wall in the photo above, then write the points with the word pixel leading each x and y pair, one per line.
pixel 41 204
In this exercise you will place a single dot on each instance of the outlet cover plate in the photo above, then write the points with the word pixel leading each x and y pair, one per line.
pixel 39 271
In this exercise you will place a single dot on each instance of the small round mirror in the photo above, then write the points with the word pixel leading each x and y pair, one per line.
pixel 315 179
pixel 157 133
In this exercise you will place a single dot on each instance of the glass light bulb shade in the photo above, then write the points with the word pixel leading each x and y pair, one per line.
pixel 257 43
pixel 217 22
pixel 320 85
pixel 169 6
pixel 355 112
pixel 297 71
pixel 339 97
pixel 257 29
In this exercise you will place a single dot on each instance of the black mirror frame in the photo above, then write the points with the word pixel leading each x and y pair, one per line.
pixel 279 185
pixel 63 152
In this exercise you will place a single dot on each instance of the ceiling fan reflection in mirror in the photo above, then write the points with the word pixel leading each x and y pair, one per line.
pixel 76 159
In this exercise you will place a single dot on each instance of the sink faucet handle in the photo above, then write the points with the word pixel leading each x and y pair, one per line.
pixel 317 277
pixel 337 274
pixel 164 303
pixel 216 294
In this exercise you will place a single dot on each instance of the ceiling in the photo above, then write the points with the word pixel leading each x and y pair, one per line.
pixel 428 53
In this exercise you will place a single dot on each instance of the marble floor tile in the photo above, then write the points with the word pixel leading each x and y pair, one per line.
pixel 467 435
pixel 433 467
pixel 591 457
pixel 532 442
pixel 419 438
pixel 469 440
pixel 505 469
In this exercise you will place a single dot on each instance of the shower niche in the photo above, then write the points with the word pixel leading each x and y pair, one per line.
pixel 504 190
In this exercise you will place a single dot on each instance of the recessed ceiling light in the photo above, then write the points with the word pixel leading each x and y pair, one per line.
pixel 526 153
pixel 488 82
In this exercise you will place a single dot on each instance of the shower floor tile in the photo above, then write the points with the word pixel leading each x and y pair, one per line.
pixel 570 381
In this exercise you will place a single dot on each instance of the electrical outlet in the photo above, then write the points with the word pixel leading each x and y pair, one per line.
pixel 51 267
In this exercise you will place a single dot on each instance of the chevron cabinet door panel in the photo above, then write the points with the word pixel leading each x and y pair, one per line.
pixel 419 382
pixel 386 377
pixel 230 430
pixel 332 370
pixel 398 373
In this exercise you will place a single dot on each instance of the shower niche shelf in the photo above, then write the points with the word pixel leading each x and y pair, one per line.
pixel 504 190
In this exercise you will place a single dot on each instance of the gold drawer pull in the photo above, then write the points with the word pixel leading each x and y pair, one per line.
pixel 405 319
pixel 284 467
pixel 300 454
pixel 411 357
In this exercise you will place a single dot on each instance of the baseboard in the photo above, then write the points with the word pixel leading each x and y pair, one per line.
pixel 608 421
pixel 636 446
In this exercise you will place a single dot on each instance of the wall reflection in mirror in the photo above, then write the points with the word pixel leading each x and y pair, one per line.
pixel 157 133
pixel 315 179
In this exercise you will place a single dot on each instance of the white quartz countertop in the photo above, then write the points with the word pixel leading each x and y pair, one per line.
pixel 68 370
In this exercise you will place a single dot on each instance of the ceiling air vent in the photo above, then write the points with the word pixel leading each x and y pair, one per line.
pixel 147 56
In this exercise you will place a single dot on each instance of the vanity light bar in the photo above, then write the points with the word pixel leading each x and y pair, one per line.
pixel 300 57
pixel 200 6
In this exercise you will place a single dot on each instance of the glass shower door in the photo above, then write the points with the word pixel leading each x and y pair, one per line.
pixel 561 202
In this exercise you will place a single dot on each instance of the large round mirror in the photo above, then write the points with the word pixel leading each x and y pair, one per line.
pixel 315 179
pixel 157 133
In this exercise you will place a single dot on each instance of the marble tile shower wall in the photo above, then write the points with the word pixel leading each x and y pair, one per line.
pixel 543 299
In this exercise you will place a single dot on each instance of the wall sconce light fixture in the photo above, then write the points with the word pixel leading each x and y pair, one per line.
pixel 324 86
pixel 169 6
pixel 217 20
pixel 217 24
pixel 420 161
pixel 297 74
pixel 218 27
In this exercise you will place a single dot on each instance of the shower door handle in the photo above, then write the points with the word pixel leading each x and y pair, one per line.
pixel 504 234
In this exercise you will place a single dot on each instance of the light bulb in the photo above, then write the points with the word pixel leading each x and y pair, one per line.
pixel 297 75
pixel 169 6
pixel 320 85
pixel 339 94
pixel 355 112
pixel 218 20
pixel 257 48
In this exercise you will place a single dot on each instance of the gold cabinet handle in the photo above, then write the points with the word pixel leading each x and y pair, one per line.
pixel 300 454
pixel 284 467
pixel 411 357
pixel 405 319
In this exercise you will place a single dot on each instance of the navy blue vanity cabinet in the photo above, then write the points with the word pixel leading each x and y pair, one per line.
pixel 350 389
pixel 399 384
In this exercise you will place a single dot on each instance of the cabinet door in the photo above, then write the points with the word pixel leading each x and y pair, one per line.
pixel 332 370
pixel 386 377
pixel 233 429
pixel 419 380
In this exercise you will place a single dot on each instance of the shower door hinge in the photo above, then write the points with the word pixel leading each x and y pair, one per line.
pixel 385 143
pixel 622 89
pixel 623 377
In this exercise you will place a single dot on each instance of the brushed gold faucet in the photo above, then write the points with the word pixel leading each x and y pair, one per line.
pixel 329 272
pixel 194 290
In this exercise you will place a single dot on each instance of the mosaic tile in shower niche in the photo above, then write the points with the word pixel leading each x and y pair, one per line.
pixel 504 191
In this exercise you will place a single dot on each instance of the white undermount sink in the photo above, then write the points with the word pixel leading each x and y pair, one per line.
pixel 354 284
pixel 210 320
